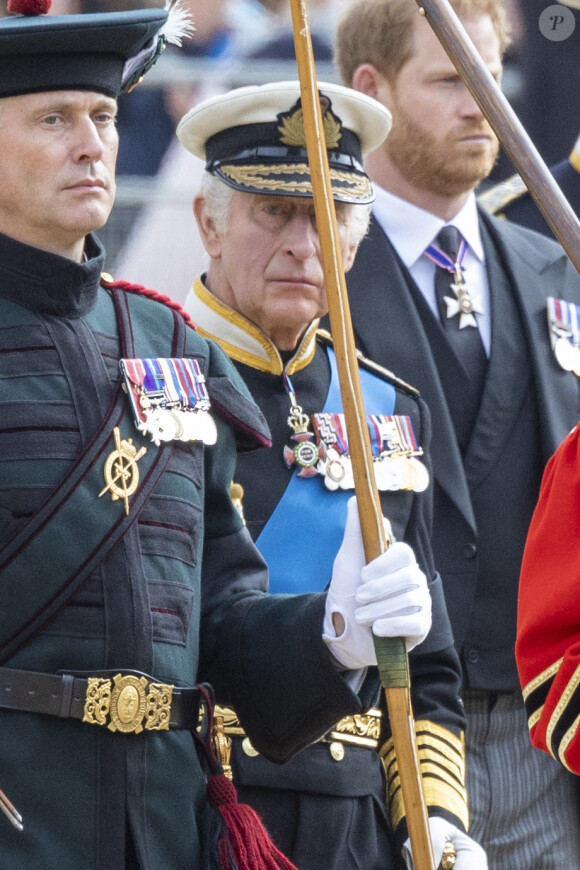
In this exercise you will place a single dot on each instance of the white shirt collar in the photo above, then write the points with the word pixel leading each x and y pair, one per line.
pixel 411 229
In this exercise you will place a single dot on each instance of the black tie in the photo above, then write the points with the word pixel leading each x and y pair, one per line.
pixel 466 342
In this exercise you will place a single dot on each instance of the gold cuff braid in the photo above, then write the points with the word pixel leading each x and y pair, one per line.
pixel 442 763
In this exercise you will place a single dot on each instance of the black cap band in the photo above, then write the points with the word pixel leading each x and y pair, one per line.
pixel 260 139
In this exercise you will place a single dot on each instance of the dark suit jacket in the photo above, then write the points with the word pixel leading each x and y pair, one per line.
pixel 389 329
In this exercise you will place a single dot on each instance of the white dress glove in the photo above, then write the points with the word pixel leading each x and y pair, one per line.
pixel 388 597
pixel 470 855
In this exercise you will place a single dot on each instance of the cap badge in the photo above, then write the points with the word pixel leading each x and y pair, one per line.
pixel 292 131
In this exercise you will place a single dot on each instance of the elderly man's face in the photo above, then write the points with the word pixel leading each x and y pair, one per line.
pixel 266 263
pixel 57 173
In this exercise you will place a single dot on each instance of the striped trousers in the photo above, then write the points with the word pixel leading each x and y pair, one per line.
pixel 523 805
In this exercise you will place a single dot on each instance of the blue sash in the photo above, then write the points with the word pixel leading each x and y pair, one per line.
pixel 304 532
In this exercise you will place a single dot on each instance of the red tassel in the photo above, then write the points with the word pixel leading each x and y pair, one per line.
pixel 248 840
pixel 29 7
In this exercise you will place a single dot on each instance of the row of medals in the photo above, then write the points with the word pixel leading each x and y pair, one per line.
pixel 167 422
pixel 394 469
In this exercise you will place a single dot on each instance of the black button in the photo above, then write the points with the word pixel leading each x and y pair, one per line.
pixel 473 656
pixel 469 551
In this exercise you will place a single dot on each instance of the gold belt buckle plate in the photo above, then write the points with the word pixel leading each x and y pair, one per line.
pixel 128 704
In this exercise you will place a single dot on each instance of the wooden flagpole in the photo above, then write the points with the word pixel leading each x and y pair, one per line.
pixel 391 653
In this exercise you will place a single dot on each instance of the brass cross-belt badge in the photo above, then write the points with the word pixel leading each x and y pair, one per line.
pixel 121 470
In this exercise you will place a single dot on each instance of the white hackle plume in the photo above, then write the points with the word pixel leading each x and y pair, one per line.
pixel 179 25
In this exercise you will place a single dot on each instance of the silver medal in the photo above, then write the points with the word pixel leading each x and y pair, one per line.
pixel 564 351
pixel 206 427
pixel 383 475
pixel 398 473
pixel 161 425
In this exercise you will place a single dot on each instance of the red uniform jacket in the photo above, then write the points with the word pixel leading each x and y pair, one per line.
pixel 548 639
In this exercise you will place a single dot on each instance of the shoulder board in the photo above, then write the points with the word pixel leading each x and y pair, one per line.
pixel 325 338
pixel 500 195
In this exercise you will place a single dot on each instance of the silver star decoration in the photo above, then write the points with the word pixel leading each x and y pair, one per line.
pixel 465 304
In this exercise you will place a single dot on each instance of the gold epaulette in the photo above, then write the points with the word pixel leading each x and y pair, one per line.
pixel 442 764
pixel 326 338
pixel 496 198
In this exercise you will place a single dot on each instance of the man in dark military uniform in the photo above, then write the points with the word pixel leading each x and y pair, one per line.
pixel 121 553
pixel 261 300
pixel 511 200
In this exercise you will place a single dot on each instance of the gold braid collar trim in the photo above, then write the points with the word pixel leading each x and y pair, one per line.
pixel 441 758
pixel 241 339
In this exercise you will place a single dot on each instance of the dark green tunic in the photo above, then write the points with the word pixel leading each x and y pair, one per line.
pixel 181 597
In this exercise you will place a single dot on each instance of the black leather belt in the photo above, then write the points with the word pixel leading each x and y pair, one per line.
pixel 125 701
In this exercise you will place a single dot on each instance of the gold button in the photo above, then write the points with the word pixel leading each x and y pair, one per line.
pixel 337 751
pixel 248 748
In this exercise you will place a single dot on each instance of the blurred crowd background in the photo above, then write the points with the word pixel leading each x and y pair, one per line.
pixel 151 236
